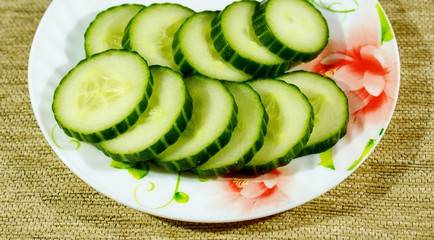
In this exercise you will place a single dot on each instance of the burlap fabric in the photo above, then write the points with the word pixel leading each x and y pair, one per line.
pixel 390 197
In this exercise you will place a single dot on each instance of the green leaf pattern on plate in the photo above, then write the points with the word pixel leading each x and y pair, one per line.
pixel 368 148
pixel 119 165
pixel 327 159
pixel 181 197
pixel 386 28
pixel 201 179
pixel 138 171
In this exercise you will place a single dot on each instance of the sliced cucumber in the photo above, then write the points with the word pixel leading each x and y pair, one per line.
pixel 293 29
pixel 161 125
pixel 103 96
pixel 209 130
pixel 247 138
pixel 194 50
pixel 107 30
pixel 235 40
pixel 289 127
pixel 151 32
pixel 330 106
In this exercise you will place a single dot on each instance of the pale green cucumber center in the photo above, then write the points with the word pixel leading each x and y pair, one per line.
pixel 288 113
pixel 153 30
pixel 198 48
pixel 238 31
pixel 108 29
pixel 297 24
pixel 114 39
pixel 165 106
pixel 212 112
pixel 101 92
pixel 328 102
pixel 247 132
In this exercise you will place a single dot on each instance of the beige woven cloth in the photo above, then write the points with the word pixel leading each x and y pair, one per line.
pixel 390 197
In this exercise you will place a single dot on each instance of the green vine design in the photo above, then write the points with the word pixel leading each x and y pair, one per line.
pixel 74 141
pixel 151 186
pixel 138 171
pixel 136 188
pixel 331 7
pixel 179 197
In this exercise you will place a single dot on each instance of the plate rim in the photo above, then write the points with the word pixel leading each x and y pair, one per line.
pixel 263 214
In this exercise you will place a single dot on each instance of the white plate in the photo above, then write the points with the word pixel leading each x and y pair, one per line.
pixel 362 54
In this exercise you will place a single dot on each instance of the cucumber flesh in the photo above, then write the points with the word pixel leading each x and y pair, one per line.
pixel 209 130
pixel 162 123
pixel 289 127
pixel 103 96
pixel 107 30
pixel 194 51
pixel 235 40
pixel 293 29
pixel 247 138
pixel 151 32
pixel 330 106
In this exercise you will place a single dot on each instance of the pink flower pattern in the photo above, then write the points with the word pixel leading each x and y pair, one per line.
pixel 363 67
pixel 256 192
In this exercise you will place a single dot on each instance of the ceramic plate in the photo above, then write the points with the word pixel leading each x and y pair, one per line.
pixel 362 57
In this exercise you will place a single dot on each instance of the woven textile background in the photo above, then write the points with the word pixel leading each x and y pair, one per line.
pixel 390 197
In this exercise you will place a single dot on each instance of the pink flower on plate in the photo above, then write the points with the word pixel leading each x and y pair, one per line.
pixel 362 67
pixel 264 190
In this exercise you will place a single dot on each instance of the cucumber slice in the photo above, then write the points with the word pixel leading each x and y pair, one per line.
pixel 330 106
pixel 161 125
pixel 247 138
pixel 194 50
pixel 293 29
pixel 209 130
pixel 235 40
pixel 107 29
pixel 103 96
pixel 289 127
pixel 151 32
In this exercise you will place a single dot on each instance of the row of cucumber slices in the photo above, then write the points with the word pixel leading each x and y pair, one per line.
pixel 216 99
pixel 246 40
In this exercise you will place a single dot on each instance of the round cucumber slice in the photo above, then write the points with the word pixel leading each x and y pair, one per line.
pixel 289 127
pixel 163 122
pixel 107 29
pixel 235 40
pixel 209 130
pixel 247 138
pixel 194 50
pixel 330 106
pixel 151 32
pixel 103 96
pixel 293 29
